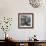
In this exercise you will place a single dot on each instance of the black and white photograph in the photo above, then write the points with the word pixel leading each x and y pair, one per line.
pixel 25 20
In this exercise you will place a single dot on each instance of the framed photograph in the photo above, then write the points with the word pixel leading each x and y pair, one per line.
pixel 25 20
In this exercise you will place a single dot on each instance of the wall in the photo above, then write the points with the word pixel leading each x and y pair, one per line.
pixel 11 8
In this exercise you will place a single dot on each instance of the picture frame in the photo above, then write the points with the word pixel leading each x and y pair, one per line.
pixel 25 20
